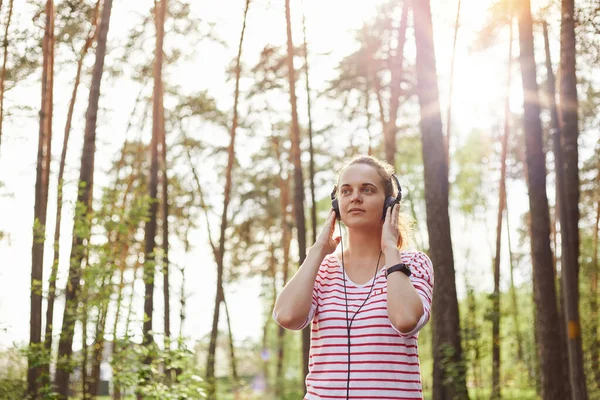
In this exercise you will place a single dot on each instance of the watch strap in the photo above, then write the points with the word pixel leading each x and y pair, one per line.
pixel 398 267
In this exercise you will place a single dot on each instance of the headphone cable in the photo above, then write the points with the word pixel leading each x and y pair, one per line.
pixel 349 325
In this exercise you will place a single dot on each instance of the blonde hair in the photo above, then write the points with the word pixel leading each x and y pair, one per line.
pixel 385 171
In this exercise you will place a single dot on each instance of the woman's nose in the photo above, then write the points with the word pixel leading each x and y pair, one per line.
pixel 355 197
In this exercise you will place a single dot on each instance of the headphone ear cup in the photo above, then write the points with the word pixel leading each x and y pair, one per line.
pixel 389 202
pixel 336 208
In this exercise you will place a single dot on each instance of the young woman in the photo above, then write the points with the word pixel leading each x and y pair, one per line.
pixel 368 302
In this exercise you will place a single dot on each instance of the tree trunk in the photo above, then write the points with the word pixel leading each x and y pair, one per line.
pixel 551 95
pixel 137 267
pixel 451 89
pixel 546 317
pixel 98 348
pixel 496 393
pixel 286 236
pixel 150 226
pixel 219 296
pixel 41 202
pixel 298 180
pixel 119 250
pixel 3 71
pixel 115 347
pixel 59 196
pixel 595 345
pixel 569 199
pixel 182 295
pixel 123 251
pixel 513 292
pixel 160 27
pixel 165 227
pixel 233 360
pixel 379 98
pixel 84 340
pixel 449 376
pixel 313 209
pixel 84 202
pixel 368 112
pixel 397 70
pixel 117 395
pixel 266 346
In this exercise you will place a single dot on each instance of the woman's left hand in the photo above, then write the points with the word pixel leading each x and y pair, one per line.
pixel 390 233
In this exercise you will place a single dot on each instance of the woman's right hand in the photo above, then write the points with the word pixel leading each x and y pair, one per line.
pixel 326 243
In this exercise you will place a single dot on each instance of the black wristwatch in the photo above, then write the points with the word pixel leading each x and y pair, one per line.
pixel 398 267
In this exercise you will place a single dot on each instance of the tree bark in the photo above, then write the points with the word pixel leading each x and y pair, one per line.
pixel 496 392
pixel 150 226
pixel 165 227
pixel 219 296
pixel 59 196
pixel 119 251
pixel 595 345
pixel 98 349
pixel 555 133
pixel 569 199
pixel 266 355
pixel 451 89
pixel 84 201
pixel 449 376
pixel 313 209
pixel 546 317
pixel 513 292
pixel 397 70
pixel 298 180
pixel 233 360
pixel 164 183
pixel 115 346
pixel 84 339
pixel 3 71
pixel 121 262
pixel 44 154
pixel 286 236
pixel 182 296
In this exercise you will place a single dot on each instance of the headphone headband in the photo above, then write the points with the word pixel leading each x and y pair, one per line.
pixel 399 195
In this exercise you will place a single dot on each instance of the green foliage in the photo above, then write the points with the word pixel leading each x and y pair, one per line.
pixel 498 20
pixel 171 374
pixel 12 376
pixel 72 24
pixel 12 389
pixel 476 330
pixel 472 159
pixel 453 368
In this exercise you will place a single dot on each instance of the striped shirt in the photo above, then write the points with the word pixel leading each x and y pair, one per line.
pixel 384 363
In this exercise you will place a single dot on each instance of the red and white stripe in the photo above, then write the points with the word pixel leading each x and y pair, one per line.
pixel 384 363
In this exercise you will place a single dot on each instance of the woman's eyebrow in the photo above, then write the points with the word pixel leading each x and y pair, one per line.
pixel 362 184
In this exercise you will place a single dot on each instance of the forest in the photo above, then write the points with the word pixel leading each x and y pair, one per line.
pixel 165 166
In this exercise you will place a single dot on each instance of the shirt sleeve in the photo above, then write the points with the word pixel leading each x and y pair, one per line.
pixel 422 280
pixel 314 305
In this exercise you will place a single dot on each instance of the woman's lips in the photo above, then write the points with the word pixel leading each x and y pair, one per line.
pixel 356 210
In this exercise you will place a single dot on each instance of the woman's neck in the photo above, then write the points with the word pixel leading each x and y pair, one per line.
pixel 364 247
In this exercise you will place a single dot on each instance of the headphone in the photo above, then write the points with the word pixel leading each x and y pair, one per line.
pixel 388 203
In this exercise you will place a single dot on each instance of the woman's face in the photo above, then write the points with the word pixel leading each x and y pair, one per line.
pixel 361 196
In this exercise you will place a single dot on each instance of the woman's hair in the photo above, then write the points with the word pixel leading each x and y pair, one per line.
pixel 385 171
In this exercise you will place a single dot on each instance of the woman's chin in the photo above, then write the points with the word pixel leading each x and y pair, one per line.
pixel 361 223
